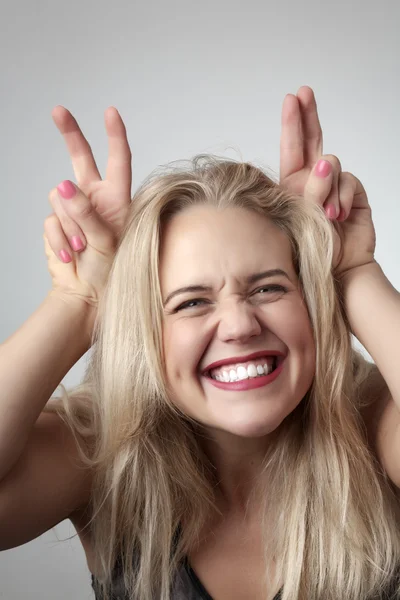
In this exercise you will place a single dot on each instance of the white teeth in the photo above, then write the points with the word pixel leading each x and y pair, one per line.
pixel 242 373
pixel 252 370
pixel 232 375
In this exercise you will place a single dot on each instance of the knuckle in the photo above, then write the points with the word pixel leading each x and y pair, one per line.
pixel 349 177
pixel 50 221
pixel 52 196
pixel 53 193
pixel 85 210
pixel 334 160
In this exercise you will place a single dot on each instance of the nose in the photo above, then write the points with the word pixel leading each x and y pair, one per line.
pixel 237 322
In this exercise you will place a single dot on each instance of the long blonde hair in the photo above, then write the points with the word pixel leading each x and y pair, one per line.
pixel 330 514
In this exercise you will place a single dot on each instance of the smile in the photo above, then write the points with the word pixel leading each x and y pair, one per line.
pixel 247 383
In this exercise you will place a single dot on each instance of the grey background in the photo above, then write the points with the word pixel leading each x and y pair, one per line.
pixel 187 78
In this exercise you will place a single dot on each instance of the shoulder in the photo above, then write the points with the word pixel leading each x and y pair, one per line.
pixel 382 422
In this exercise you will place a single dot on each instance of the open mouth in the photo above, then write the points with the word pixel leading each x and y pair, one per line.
pixel 277 360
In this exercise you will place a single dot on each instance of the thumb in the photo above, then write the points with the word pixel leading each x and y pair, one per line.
pixel 79 208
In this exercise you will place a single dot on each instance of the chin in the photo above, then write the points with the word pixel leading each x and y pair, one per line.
pixel 252 429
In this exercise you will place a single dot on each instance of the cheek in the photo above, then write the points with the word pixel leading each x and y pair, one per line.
pixel 182 349
pixel 298 321
pixel 296 330
pixel 302 339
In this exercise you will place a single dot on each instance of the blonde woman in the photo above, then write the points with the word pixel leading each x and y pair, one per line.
pixel 227 442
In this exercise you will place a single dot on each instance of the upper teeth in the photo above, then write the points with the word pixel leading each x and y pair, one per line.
pixel 245 371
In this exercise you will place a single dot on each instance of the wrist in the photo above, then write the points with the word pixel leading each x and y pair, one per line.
pixel 371 267
pixel 78 310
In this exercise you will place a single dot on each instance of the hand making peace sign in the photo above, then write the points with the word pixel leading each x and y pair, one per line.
pixel 301 151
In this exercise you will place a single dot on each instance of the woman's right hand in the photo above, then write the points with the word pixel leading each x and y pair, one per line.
pixel 96 213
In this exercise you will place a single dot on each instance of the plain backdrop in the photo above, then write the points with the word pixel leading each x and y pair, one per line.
pixel 187 78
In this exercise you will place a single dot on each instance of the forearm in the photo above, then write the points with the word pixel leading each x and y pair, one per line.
pixel 33 361
pixel 372 306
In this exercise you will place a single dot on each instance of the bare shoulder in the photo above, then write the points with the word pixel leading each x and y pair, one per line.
pixel 382 422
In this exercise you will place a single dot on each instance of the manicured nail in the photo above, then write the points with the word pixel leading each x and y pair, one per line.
pixel 67 189
pixel 65 256
pixel 331 211
pixel 323 168
pixel 76 243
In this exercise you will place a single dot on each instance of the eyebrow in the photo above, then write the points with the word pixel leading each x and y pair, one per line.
pixel 205 288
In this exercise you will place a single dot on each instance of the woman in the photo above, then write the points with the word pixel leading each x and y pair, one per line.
pixel 226 441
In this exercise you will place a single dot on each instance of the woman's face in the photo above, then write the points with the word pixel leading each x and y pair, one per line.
pixel 233 318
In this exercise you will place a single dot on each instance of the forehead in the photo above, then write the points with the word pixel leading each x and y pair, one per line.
pixel 204 242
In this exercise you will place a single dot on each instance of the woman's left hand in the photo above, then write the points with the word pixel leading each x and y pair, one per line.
pixel 301 151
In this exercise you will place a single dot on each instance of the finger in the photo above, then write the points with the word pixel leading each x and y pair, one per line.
pixel 82 158
pixel 348 186
pixel 119 166
pixel 312 132
pixel 333 198
pixel 72 231
pixel 291 142
pixel 78 207
pixel 55 240
pixel 319 185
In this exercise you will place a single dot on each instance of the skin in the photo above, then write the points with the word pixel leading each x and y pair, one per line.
pixel 202 245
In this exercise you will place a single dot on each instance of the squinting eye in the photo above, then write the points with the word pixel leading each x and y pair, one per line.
pixel 275 288
pixel 186 304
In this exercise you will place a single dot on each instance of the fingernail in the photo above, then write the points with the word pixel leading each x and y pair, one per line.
pixel 67 189
pixel 323 168
pixel 65 256
pixel 76 243
pixel 331 211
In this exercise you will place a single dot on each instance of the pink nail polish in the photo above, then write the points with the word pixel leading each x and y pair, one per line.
pixel 67 189
pixel 65 256
pixel 76 243
pixel 323 168
pixel 331 211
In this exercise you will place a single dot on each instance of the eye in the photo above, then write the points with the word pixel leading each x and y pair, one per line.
pixel 274 287
pixel 188 303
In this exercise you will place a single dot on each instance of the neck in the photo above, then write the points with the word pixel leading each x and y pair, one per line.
pixel 238 466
